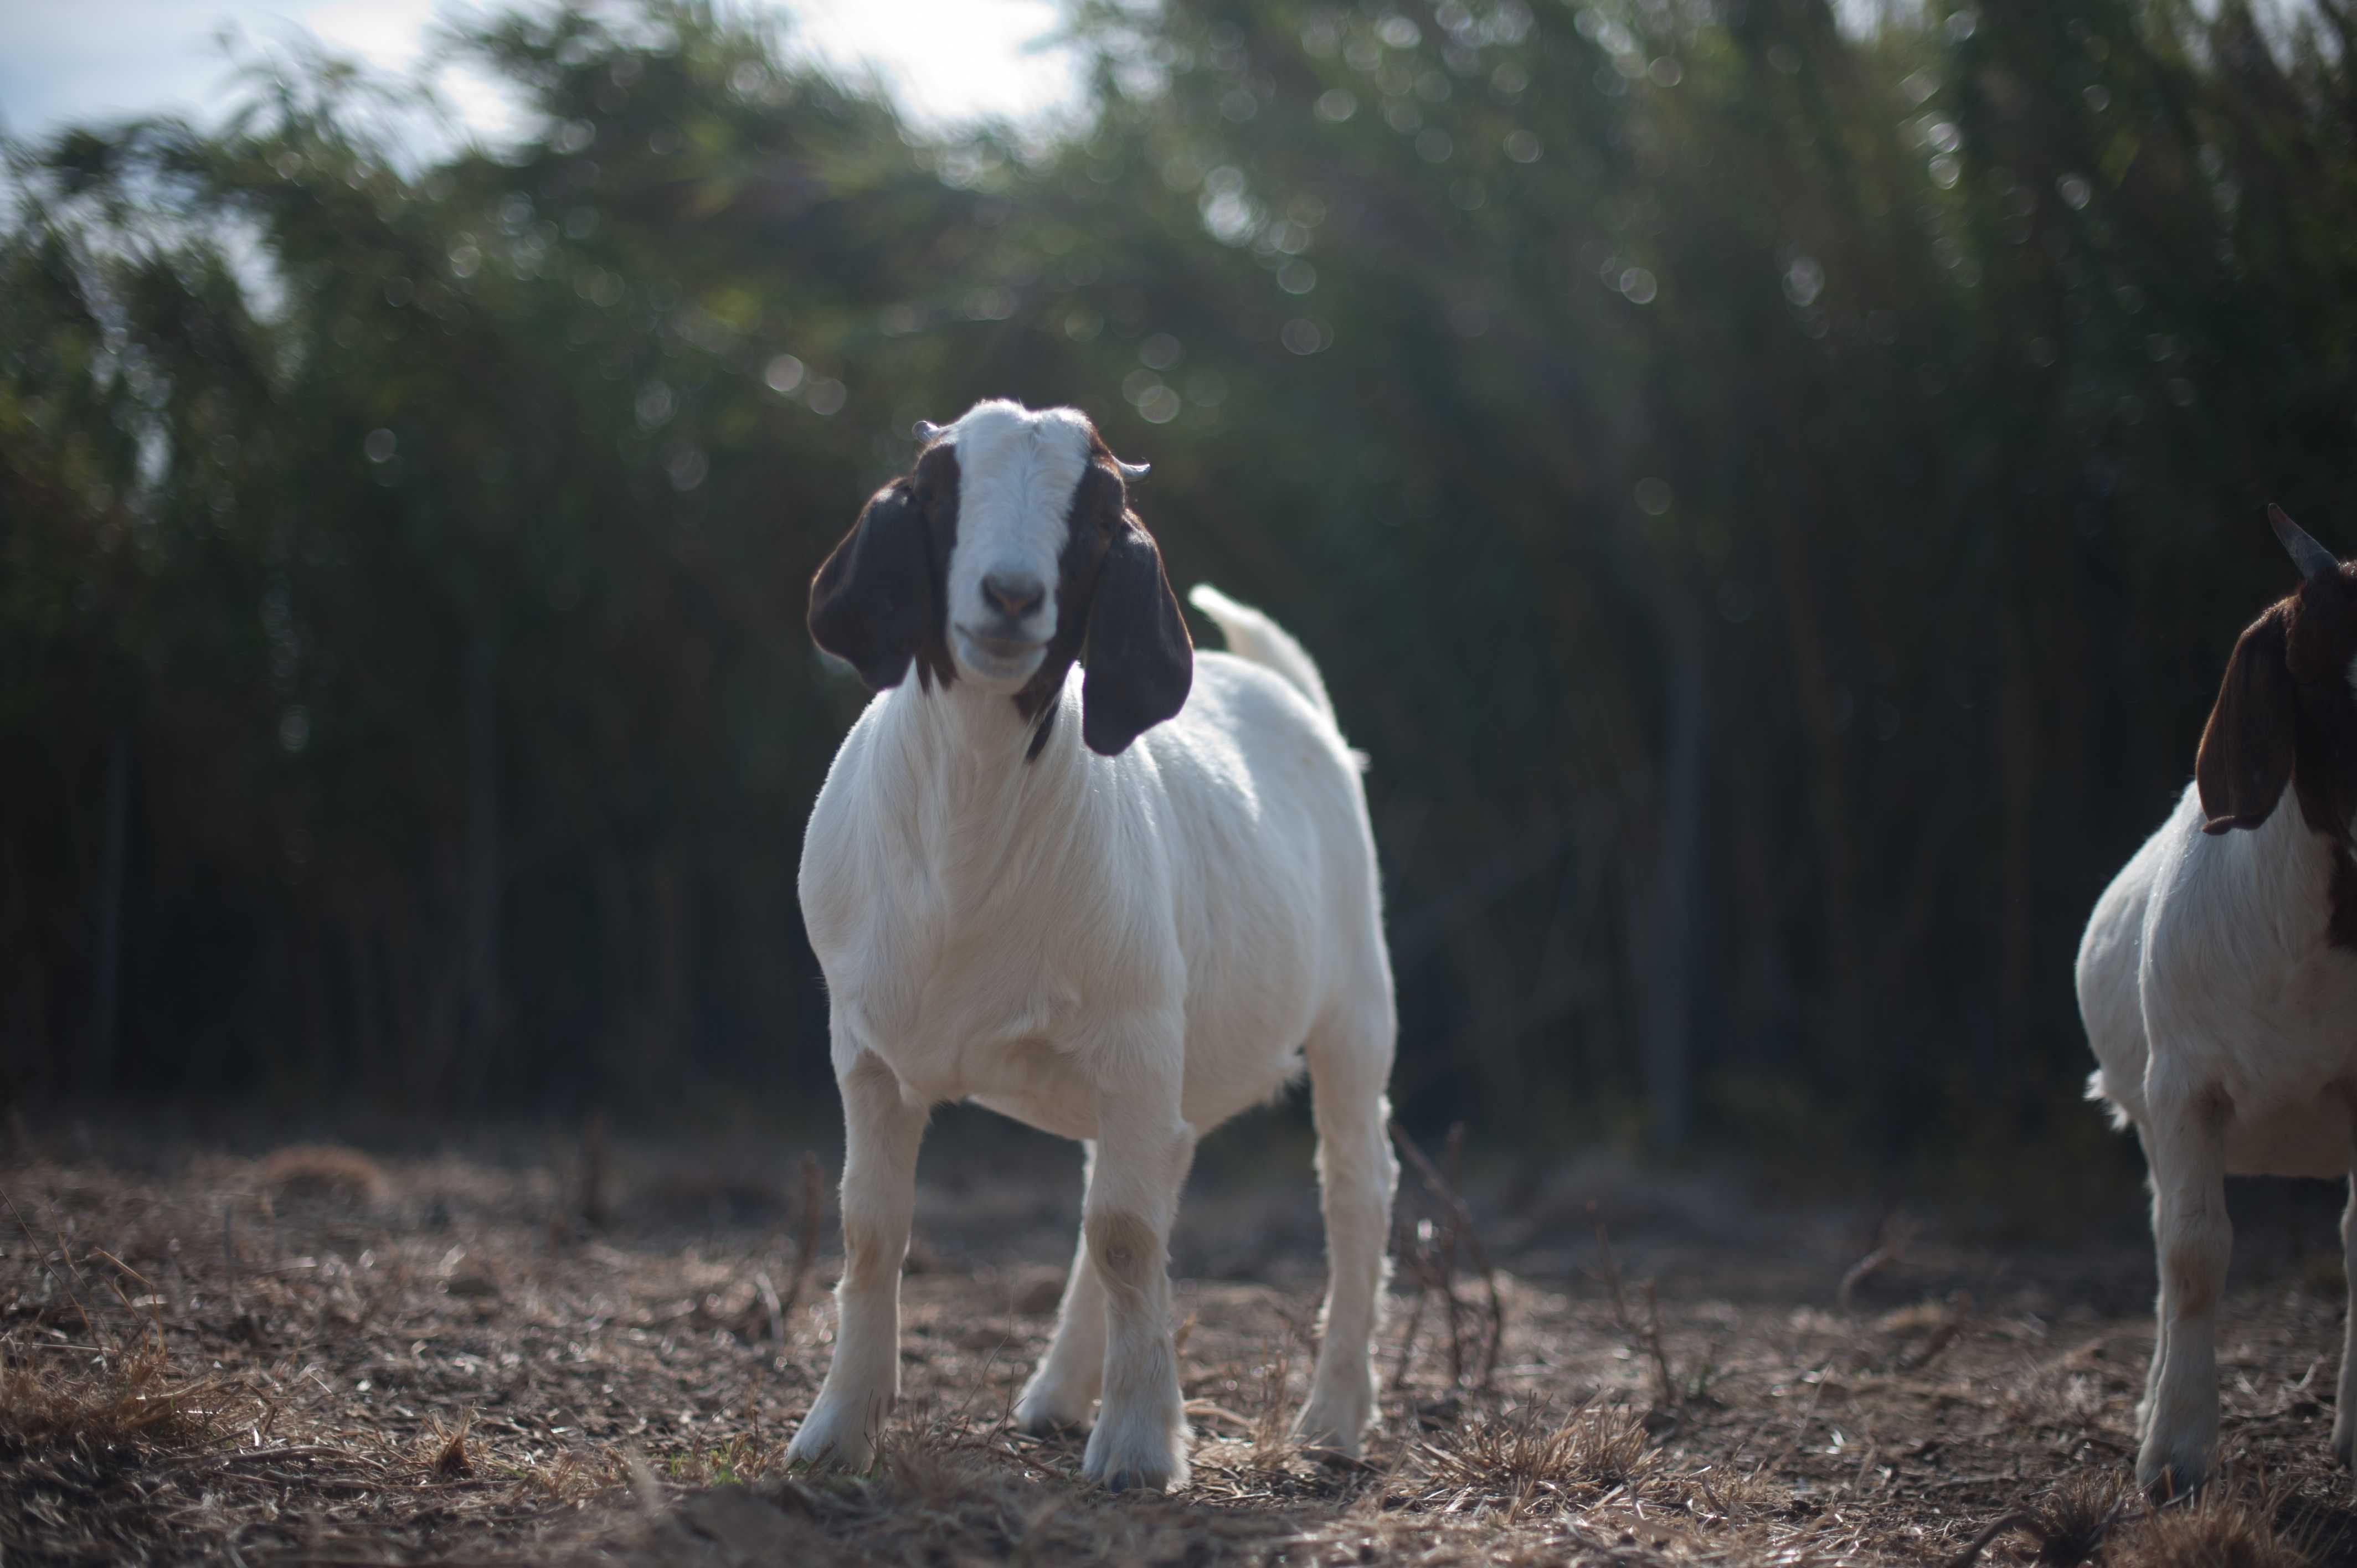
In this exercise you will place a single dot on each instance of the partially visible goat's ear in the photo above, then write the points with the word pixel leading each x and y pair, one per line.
pixel 874 602
pixel 2247 746
pixel 1140 659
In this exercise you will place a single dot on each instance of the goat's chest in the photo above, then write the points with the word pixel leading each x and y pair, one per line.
pixel 970 997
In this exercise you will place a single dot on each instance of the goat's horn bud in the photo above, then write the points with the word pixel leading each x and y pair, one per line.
pixel 926 430
pixel 2311 558
pixel 1132 472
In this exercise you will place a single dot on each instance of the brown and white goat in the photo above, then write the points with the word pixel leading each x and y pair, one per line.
pixel 2218 984
pixel 1121 902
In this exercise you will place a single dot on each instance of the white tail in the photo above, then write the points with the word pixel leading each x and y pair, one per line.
pixel 1253 636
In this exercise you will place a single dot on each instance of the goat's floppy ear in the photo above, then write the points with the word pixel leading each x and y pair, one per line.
pixel 873 603
pixel 2247 746
pixel 1140 659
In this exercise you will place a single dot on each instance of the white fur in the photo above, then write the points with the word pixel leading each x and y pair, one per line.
pixel 1126 951
pixel 1017 474
pixel 2226 1031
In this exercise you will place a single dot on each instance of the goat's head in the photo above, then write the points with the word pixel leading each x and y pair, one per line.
pixel 2286 712
pixel 1005 553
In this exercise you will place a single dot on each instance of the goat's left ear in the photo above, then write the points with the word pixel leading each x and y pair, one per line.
pixel 2247 746
pixel 1140 660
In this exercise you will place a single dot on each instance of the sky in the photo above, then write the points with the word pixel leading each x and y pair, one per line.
pixel 63 61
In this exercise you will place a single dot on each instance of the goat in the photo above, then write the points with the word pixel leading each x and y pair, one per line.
pixel 2218 984
pixel 1121 904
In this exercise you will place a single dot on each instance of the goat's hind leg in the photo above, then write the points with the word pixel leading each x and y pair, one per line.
pixel 2195 1241
pixel 1350 1064
pixel 1064 1389
pixel 2160 1305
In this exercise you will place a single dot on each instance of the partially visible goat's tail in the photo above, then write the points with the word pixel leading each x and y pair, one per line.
pixel 1253 636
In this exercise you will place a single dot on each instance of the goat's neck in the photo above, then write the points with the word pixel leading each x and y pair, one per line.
pixel 975 802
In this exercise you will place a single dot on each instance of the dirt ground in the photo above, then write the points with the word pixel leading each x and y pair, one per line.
pixel 575 1348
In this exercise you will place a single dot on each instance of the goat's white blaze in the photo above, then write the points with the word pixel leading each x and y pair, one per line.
pixel 1018 473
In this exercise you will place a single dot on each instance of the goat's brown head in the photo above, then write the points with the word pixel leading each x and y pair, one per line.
pixel 1008 552
pixel 2286 712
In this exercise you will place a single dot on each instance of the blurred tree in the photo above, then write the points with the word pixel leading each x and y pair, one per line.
pixel 1772 495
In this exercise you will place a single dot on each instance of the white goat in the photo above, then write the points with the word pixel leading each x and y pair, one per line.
pixel 2218 982
pixel 1121 943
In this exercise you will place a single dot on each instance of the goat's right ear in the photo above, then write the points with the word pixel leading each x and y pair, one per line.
pixel 2247 746
pixel 874 601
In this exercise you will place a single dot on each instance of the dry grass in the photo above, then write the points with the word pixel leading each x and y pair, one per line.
pixel 2226 1529
pixel 96 1401
pixel 449 1366
pixel 326 1170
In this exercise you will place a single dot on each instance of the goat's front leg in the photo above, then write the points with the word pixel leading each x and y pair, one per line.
pixel 881 1132
pixel 1143 1147
pixel 2344 1415
pixel 2194 1239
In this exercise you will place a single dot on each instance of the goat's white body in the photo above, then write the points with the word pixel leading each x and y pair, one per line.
pixel 1077 938
pixel 978 918
pixel 2224 1026
pixel 2216 946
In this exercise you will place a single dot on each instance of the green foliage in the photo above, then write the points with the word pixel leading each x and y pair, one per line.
pixel 1772 499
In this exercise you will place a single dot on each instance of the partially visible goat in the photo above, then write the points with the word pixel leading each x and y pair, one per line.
pixel 1120 903
pixel 2218 982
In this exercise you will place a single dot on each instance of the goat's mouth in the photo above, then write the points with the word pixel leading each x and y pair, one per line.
pixel 999 658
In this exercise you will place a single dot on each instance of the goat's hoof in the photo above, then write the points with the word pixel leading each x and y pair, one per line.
pixel 1047 1417
pixel 1049 1427
pixel 828 1442
pixel 1331 1428
pixel 1151 1462
pixel 2167 1475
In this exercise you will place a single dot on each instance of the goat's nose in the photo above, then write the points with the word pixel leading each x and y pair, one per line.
pixel 1013 597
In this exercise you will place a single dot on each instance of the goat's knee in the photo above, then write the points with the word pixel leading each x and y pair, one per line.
pixel 1126 1251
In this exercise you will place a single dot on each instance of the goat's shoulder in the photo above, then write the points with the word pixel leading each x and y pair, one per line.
pixel 2238 976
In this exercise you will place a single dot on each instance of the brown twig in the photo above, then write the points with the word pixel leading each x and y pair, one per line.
pixel 1408 1243
pixel 1980 1542
pixel 814 1185
pixel 229 1253
pixel 1891 1239
pixel 596 1211
pixel 1665 1386
pixel 770 1305
pixel 1461 1223
pixel 1662 1374
pixel 1454 1153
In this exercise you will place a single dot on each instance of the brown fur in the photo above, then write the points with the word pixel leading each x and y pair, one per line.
pixel 876 600
pixel 865 1266
pixel 1124 1249
pixel 2285 714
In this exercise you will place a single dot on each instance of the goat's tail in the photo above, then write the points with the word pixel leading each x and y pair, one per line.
pixel 1253 636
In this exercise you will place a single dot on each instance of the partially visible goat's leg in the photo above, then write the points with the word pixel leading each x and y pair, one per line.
pixel 2344 1416
pixel 2194 1239
pixel 1143 1147
pixel 1060 1392
pixel 2159 1303
pixel 881 1132
pixel 1350 1063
